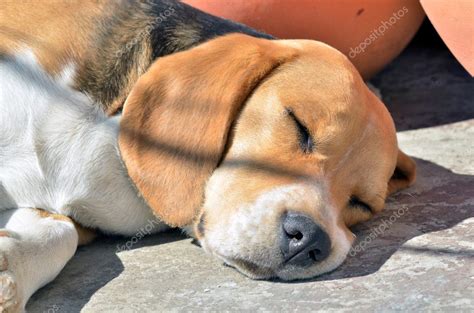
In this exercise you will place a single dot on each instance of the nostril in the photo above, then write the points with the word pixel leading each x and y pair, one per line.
pixel 316 255
pixel 296 235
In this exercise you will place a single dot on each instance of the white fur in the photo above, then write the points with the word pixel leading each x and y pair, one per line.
pixel 33 254
pixel 251 233
pixel 58 152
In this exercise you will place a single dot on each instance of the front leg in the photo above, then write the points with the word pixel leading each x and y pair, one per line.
pixel 34 246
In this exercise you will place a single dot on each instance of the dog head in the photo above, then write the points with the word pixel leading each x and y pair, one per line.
pixel 270 149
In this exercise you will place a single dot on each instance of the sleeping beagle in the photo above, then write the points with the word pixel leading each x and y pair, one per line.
pixel 265 151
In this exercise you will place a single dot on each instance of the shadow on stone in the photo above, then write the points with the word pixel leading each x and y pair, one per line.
pixel 92 267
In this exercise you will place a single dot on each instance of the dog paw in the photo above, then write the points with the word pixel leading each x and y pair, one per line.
pixel 9 301
pixel 3 262
pixel 9 294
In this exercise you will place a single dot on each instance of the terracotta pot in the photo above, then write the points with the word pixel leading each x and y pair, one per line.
pixel 454 22
pixel 370 32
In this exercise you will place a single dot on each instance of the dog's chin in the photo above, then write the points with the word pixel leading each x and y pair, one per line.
pixel 250 269
pixel 289 272
pixel 336 258
pixel 283 272
pixel 269 264
pixel 277 269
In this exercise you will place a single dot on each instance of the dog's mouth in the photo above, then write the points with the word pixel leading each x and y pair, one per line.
pixel 275 266
pixel 251 269
pixel 285 271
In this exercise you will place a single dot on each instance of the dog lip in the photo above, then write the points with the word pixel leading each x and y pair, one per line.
pixel 255 271
pixel 283 271
pixel 293 260
pixel 251 269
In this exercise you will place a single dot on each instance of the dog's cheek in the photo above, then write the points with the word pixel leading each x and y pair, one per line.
pixel 249 234
pixel 234 226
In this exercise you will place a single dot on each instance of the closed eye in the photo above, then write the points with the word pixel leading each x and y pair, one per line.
pixel 355 202
pixel 305 139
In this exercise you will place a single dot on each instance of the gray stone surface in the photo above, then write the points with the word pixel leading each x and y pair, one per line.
pixel 422 261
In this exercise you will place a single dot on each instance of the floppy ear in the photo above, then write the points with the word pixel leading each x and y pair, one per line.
pixel 404 174
pixel 176 120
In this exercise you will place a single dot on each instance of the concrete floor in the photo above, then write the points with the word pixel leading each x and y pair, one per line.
pixel 423 261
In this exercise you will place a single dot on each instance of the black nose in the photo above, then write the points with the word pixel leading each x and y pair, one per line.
pixel 302 241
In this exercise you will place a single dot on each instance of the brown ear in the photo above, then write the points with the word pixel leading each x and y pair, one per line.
pixel 404 174
pixel 176 119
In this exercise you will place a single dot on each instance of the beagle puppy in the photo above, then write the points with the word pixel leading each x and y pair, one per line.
pixel 265 151
pixel 110 42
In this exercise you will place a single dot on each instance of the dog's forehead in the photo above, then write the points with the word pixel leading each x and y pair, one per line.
pixel 319 73
pixel 325 92
pixel 319 88
pixel 322 82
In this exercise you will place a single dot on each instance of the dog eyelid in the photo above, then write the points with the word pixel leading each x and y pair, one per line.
pixel 355 202
pixel 306 141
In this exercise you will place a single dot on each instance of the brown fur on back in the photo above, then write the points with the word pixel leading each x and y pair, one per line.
pixel 111 43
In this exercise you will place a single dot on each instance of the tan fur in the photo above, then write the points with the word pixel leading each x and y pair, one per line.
pixel 86 235
pixel 53 32
pixel 4 233
pixel 176 120
pixel 175 140
pixel 355 154
pixel 337 113
pixel 404 175
pixel 109 43
pixel 64 33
